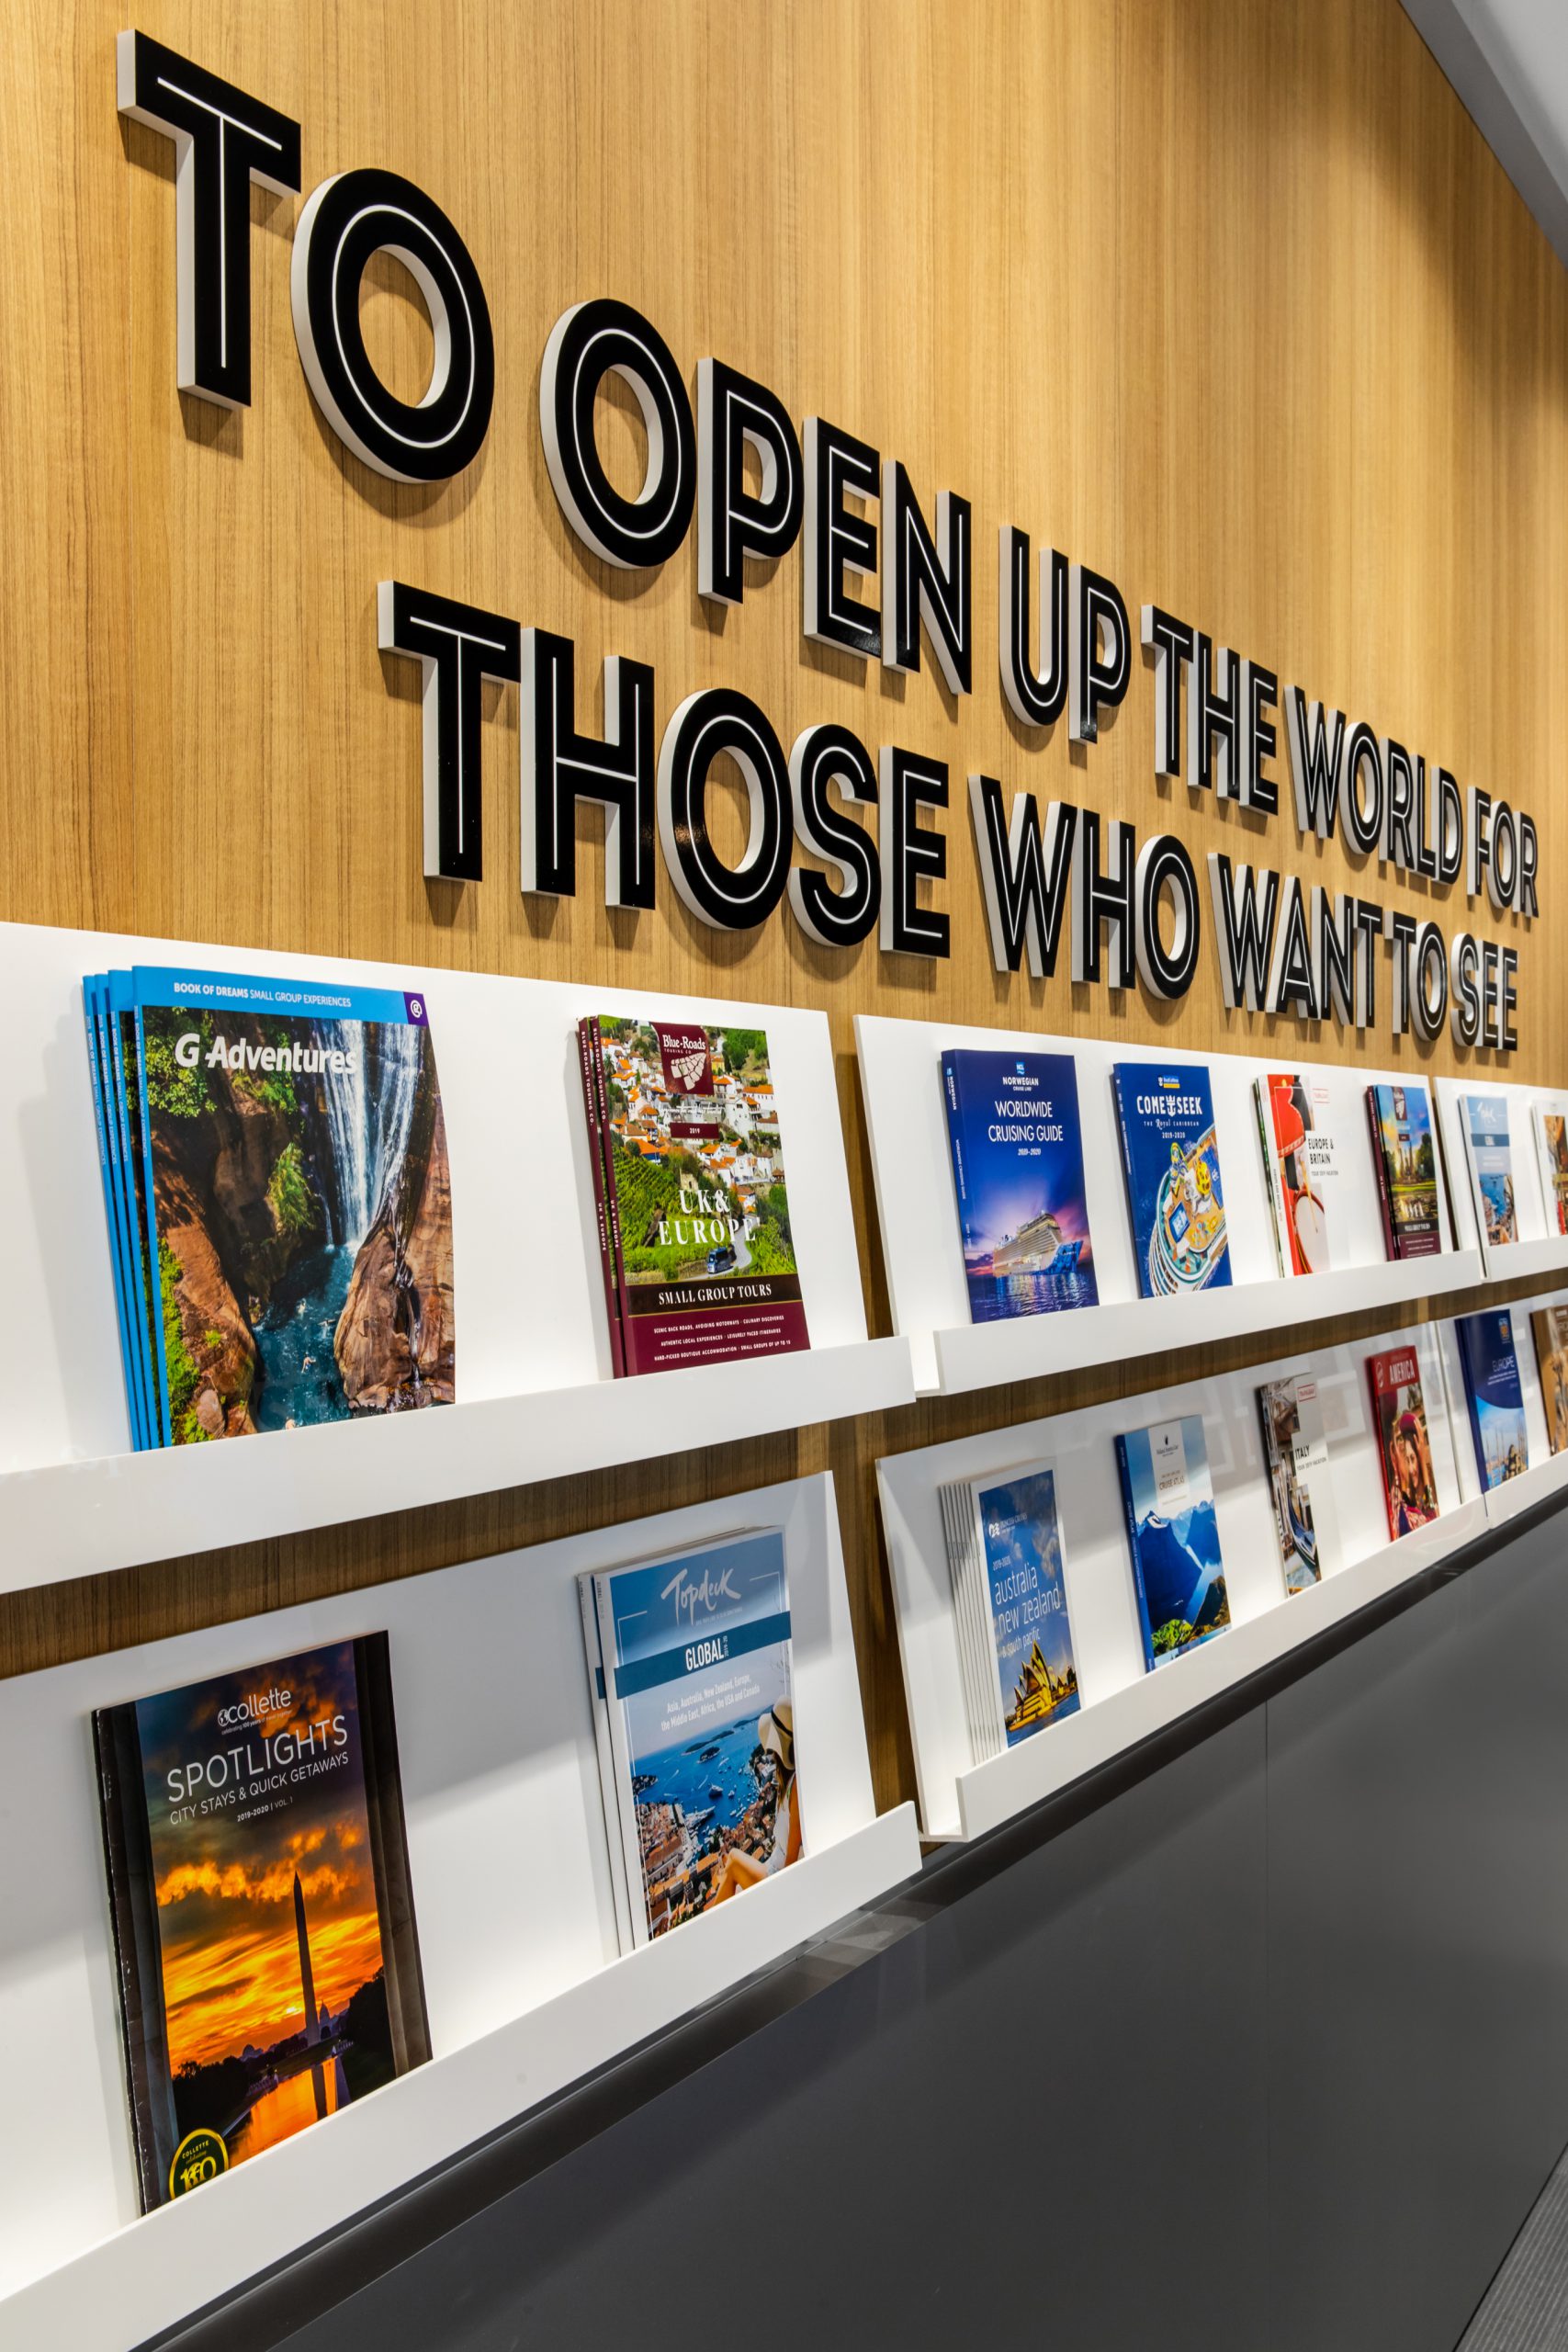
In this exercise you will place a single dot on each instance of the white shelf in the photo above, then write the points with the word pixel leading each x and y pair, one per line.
pixel 186 2255
pixel 1120 1703
pixel 981 1355
pixel 512 1893
pixel 1540 1248
pixel 535 1396
pixel 1521 1494
pixel 74 1518
pixel 900 1071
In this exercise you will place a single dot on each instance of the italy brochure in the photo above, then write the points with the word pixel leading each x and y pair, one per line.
pixel 1489 1154
pixel 1295 1455
pixel 1170 1156
pixel 691 1197
pixel 689 1659
pixel 1018 1166
pixel 1173 1536
pixel 1494 1398
pixel 279 1199
pixel 1005 1558
pixel 1404 1439
pixel 1299 1168
pixel 265 1941
pixel 1405 1157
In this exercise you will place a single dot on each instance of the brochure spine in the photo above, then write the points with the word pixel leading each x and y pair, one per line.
pixel 626 1802
pixel 1263 1099
pixel 1380 1164
pixel 128 1111
pixel 160 1306
pixel 1140 1240
pixel 92 991
pixel 600 1702
pixel 952 1096
pixel 591 1062
pixel 1125 1472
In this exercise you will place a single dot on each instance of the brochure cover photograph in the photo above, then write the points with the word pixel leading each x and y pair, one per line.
pixel 1493 1396
pixel 1404 1155
pixel 1173 1536
pixel 263 1920
pixel 1032 1639
pixel 1170 1156
pixel 1552 1147
pixel 1404 1448
pixel 1549 1327
pixel 1295 1454
pixel 699 1257
pixel 1297 1163
pixel 279 1200
pixel 1018 1166
pixel 1485 1119
pixel 695 1661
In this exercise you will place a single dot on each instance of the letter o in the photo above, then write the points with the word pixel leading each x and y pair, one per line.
pixel 1503 870
pixel 1161 862
pixel 1429 999
pixel 346 221
pixel 588 343
pixel 705 724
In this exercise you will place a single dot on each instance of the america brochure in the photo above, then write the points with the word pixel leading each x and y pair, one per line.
pixel 1018 1169
pixel 1494 1398
pixel 694 1665
pixel 1404 1156
pixel 1170 1158
pixel 1549 1329
pixel 1173 1536
pixel 265 1949
pixel 1550 1124
pixel 1489 1152
pixel 1005 1556
pixel 1295 1455
pixel 1404 1441
pixel 279 1199
pixel 691 1195
pixel 1299 1168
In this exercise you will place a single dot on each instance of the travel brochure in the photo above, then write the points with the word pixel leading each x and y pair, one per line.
pixel 1173 1536
pixel 1018 1166
pixel 1404 1155
pixel 264 1926
pixel 1485 1119
pixel 1405 1445
pixel 1551 1153
pixel 1493 1400
pixel 1299 1165
pixel 1295 1455
pixel 1549 1329
pixel 1005 1558
pixel 1170 1158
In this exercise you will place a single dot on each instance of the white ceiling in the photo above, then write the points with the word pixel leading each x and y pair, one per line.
pixel 1508 60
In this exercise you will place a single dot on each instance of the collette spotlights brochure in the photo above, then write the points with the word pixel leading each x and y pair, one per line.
pixel 264 1924
pixel 278 1198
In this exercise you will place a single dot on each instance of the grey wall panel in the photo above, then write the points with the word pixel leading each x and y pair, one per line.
pixel 1039 2115
pixel 1419 1957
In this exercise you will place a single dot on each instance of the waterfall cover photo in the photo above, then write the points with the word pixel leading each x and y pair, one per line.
pixel 301 1203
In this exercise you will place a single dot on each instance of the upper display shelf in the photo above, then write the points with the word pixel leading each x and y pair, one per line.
pixel 528 1345
pixel 953 1303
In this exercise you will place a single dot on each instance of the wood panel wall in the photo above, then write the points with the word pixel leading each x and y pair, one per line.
pixel 1230 303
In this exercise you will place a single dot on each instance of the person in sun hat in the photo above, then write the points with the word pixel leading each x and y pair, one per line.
pixel 737 1869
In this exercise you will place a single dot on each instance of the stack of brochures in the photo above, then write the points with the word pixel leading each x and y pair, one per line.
pixel 279 1199
pixel 689 1663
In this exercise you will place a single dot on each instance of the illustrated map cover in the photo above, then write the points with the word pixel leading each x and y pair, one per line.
pixel 1405 1446
pixel 279 1197
pixel 1404 1155
pixel 1171 1156
pixel 263 1923
pixel 1299 1167
pixel 694 1205
pixel 1174 1537
pixel 1018 1166
pixel 1295 1454
pixel 1485 1118
pixel 1493 1396
pixel 1549 1327
pixel 1033 1680
pixel 696 1666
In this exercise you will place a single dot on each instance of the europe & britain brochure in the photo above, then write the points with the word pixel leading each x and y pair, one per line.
pixel 1173 1536
pixel 1549 1327
pixel 265 1941
pixel 691 1194
pixel 1301 1488
pixel 1404 1442
pixel 1404 1155
pixel 1550 1124
pixel 693 1674
pixel 1170 1156
pixel 1005 1556
pixel 279 1200
pixel 1494 1398
pixel 1299 1168
pixel 1489 1155
pixel 1018 1166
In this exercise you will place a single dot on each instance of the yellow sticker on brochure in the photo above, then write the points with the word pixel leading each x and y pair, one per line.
pixel 200 2157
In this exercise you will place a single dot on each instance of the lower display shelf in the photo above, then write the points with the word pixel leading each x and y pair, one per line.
pixel 179 2259
pixel 1532 1486
pixel 75 1519
pixel 992 1792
